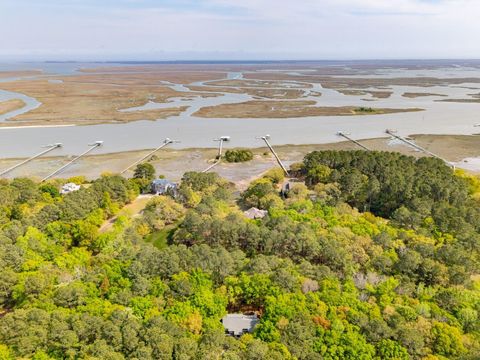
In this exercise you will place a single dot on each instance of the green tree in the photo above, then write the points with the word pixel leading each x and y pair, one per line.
pixel 144 171
pixel 389 349
pixel 256 192
pixel 275 175
pixel 5 353
pixel 318 174
pixel 447 340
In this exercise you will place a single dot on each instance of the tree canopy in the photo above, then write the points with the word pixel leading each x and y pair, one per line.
pixel 376 257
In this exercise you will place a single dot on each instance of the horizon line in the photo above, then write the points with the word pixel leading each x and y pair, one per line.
pixel 266 60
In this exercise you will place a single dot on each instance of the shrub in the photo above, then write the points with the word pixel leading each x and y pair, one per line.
pixel 238 155
pixel 275 175
pixel 363 109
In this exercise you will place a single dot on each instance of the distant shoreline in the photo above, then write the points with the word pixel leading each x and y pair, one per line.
pixel 247 61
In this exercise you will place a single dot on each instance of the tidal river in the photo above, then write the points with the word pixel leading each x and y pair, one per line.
pixel 438 118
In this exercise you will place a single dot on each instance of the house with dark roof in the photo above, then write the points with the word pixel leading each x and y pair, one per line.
pixel 163 187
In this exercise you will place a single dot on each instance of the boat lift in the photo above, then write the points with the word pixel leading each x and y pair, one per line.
pixel 418 147
pixel 266 138
pixel 50 147
pixel 93 146
pixel 166 142
pixel 347 136
pixel 220 140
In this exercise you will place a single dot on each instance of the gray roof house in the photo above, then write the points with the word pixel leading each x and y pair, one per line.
pixel 254 213
pixel 239 324
pixel 163 186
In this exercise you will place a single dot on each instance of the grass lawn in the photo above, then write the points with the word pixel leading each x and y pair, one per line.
pixel 130 210
pixel 160 238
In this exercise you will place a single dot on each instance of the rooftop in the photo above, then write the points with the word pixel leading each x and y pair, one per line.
pixel 254 213
pixel 161 182
pixel 238 324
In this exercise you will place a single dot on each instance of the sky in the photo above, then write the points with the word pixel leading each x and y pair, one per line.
pixel 238 29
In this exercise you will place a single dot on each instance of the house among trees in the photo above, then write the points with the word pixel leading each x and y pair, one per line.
pixel 239 324
pixel 69 187
pixel 163 187
pixel 286 187
pixel 254 213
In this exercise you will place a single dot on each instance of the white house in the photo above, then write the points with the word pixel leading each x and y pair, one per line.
pixel 69 187
pixel 239 324
pixel 254 213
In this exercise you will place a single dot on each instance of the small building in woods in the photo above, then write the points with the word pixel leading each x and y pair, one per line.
pixel 239 324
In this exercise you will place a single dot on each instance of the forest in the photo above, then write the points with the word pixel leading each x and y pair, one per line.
pixel 366 255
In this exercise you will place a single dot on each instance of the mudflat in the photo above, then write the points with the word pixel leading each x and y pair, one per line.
pixel 413 95
pixel 174 163
pixel 331 82
pixel 267 93
pixel 11 105
pixel 15 74
pixel 101 95
pixel 260 84
pixel 288 109
pixel 373 93
pixel 94 99
pixel 466 101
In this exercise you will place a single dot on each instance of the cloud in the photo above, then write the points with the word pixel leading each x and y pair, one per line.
pixel 277 28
